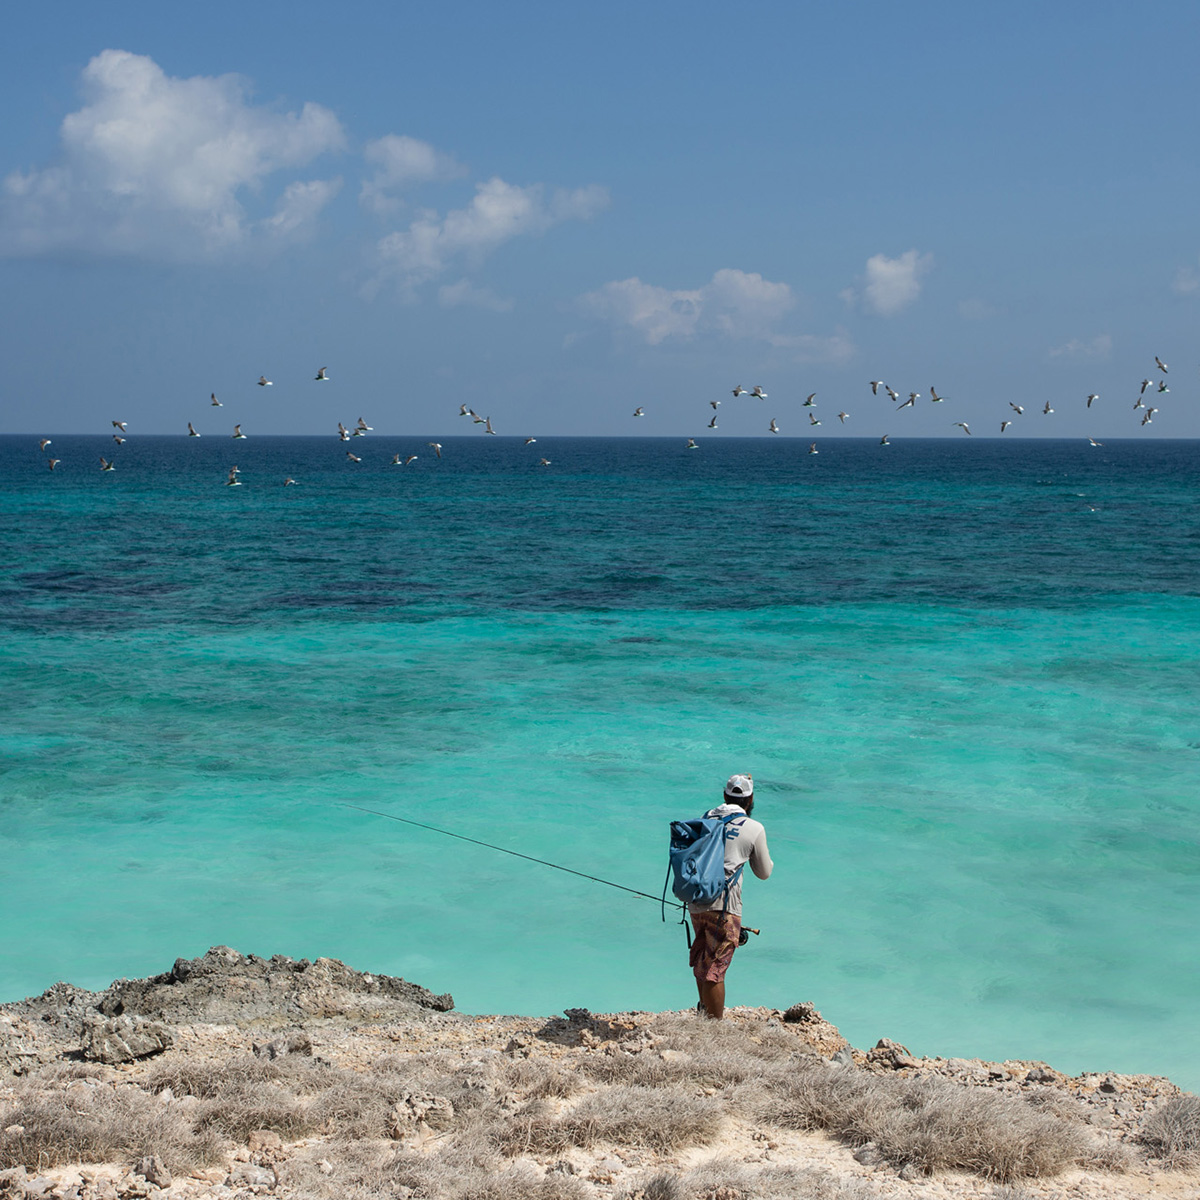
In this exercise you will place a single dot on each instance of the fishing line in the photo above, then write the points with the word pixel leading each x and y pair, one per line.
pixel 504 850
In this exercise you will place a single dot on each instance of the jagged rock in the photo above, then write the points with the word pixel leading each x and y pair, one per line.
pixel 153 1170
pixel 887 1053
pixel 843 1057
pixel 799 1013
pixel 298 1043
pixel 123 1039
pixel 265 1146
pixel 419 1112
pixel 251 1175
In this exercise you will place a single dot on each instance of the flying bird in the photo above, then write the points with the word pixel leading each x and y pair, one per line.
pixel 214 401
pixel 1149 416
pixel 812 448
pixel 1047 410
pixel 343 432
pixel 1162 387
pixel 774 428
pixel 934 396
pixel 352 456
pixel 758 393
pixel 263 381
pixel 320 376
pixel 842 417
pixel 118 439
pixel 1162 366
pixel 713 423
pixel 892 393
pixel 1004 425
pixel 639 412
pixel 233 480
pixel 487 426
pixel 53 462
pixel 237 432
pixel 1145 385
pixel 715 404
pixel 911 402
pixel 964 427
pixel 810 402
pixel 543 462
pixel 530 441
pixel 119 425
pixel 436 447
pixel 812 419
pixel 691 444
pixel 43 444
pixel 1016 408
pixel 192 430
pixel 883 441
pixel 289 482
pixel 105 465
pixel 364 426
pixel 464 411
pixel 1092 396
pixel 1094 442
pixel 739 391
pixel 412 458
pixel 876 384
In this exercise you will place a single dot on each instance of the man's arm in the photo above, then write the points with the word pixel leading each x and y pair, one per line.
pixel 760 857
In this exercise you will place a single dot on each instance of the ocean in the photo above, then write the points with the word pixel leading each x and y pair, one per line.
pixel 962 673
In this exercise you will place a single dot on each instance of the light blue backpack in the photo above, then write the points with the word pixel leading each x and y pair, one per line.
pixel 697 861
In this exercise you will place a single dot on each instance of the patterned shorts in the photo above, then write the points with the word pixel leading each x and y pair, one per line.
pixel 716 939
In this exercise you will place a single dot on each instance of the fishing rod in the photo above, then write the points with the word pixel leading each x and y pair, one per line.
pixel 517 854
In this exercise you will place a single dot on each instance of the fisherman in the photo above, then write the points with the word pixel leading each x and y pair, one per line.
pixel 718 924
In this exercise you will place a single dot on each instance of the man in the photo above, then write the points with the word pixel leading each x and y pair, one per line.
pixel 718 933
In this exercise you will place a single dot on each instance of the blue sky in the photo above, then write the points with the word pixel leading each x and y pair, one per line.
pixel 555 214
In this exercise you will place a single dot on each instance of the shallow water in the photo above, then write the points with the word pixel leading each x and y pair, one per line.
pixel 962 674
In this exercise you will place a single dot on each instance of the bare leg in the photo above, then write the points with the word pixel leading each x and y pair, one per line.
pixel 712 996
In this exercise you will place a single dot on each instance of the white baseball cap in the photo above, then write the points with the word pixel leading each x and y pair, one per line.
pixel 739 787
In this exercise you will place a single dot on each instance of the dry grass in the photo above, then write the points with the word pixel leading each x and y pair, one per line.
pixel 1172 1132
pixel 99 1124
pixel 725 1179
pixel 931 1123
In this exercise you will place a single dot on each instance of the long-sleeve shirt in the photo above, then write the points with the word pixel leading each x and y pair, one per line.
pixel 746 843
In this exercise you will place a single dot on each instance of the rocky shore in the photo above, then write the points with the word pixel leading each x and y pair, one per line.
pixel 237 1076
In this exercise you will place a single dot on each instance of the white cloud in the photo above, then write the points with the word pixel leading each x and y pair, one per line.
pixel 735 303
pixel 499 212
pixel 1187 281
pixel 402 162
pixel 296 213
pixel 1077 350
pixel 454 295
pixel 890 284
pixel 157 166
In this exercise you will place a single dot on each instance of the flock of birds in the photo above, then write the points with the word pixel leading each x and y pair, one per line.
pixel 361 428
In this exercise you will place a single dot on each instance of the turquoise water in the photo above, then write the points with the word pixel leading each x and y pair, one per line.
pixel 962 673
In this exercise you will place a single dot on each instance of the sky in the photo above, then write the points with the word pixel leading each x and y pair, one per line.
pixel 556 214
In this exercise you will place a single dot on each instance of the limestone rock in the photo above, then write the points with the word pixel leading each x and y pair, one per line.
pixel 419 1113
pixel 887 1053
pixel 123 1039
pixel 251 1175
pixel 153 1170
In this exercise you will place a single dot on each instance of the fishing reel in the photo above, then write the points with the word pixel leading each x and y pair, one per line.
pixel 744 936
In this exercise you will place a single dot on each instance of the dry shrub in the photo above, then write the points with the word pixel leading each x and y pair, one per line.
pixel 208 1080
pixel 98 1124
pixel 534 1079
pixel 629 1116
pixel 727 1179
pixel 1172 1132
pixel 931 1123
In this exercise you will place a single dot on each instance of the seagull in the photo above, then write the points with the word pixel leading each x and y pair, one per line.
pixel 120 425
pixel 809 402
pixel 343 432
pixel 530 441
pixel 1162 386
pixel 352 456
pixel 105 465
pixel 358 431
pixel 812 448
pixel 395 460
pixel 713 423
pixel 412 458
pixel 934 396
pixel 543 462
pixel 289 482
pixel 1162 366
pixel 1016 408
pixel 812 419
pixel 639 412
pixel 842 417
pixel 320 376
pixel 892 393
pixel 774 428
pixel 964 427
pixel 487 426
pixel 1092 396
pixel 436 447
pixel 464 411
pixel 192 430
pixel 883 441
pixel 43 444
pixel 1094 442
pixel 1149 416
pixel 876 384
pixel 263 381
pixel 233 480
pixel 53 462
pixel 215 403
pixel 739 391
pixel 1047 410
pixel 1004 425
pixel 714 404
pixel 691 444
pixel 911 402
pixel 237 432
pixel 476 419
pixel 758 393
pixel 364 426
pixel 118 439
pixel 1140 404
pixel 1145 385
